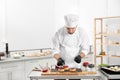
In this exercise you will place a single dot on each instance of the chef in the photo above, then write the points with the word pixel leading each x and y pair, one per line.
pixel 70 43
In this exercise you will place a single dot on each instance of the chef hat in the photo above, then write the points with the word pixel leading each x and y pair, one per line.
pixel 71 20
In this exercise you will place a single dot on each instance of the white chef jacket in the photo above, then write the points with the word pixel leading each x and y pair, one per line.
pixel 68 46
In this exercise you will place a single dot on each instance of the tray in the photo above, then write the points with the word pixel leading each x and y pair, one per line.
pixel 77 72
pixel 106 70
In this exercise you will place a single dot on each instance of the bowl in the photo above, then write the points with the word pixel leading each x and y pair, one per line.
pixel 16 56
pixel 45 70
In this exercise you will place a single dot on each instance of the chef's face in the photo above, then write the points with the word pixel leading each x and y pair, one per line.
pixel 71 30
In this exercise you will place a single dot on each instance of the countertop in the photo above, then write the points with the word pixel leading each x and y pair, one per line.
pixel 37 75
pixel 24 59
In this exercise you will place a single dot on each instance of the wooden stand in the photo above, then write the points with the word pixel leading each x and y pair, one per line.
pixel 101 36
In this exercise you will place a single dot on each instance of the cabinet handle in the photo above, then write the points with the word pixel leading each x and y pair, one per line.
pixel 9 75
pixel 4 67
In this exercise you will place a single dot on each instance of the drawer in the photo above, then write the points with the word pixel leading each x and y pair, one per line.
pixel 11 66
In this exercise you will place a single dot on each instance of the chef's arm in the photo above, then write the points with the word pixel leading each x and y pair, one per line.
pixel 84 45
pixel 56 45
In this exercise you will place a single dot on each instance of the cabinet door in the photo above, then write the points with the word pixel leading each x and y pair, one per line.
pixel 14 71
pixel 11 66
pixel 29 65
pixel 17 75
pixel 4 76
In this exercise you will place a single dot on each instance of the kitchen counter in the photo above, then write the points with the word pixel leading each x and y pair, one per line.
pixel 35 75
pixel 24 59
pixel 11 67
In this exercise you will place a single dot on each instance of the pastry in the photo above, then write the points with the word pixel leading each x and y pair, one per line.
pixel 66 67
pixel 72 69
pixel 61 69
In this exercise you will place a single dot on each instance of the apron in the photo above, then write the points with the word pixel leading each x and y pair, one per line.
pixel 69 49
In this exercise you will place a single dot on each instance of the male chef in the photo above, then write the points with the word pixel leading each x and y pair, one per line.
pixel 70 43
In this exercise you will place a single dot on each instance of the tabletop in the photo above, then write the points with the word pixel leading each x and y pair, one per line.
pixel 38 75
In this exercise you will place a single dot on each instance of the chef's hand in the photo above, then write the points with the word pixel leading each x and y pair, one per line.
pixel 60 62
pixel 77 59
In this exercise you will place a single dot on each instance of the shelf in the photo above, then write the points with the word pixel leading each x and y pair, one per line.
pixel 98 37
pixel 105 44
pixel 115 56
pixel 114 44
pixel 105 35
pixel 107 55
pixel 110 34
pixel 101 55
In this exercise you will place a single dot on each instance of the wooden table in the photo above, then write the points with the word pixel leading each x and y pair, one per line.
pixel 35 75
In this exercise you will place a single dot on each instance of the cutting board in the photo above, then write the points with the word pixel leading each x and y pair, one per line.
pixel 67 73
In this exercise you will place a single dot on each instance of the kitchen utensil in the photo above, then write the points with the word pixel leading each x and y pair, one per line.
pixel 85 64
pixel 44 69
pixel 16 55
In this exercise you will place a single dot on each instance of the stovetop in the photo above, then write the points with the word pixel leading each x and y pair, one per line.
pixel 109 73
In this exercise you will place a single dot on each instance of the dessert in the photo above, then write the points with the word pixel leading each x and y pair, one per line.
pixel 85 64
pixel 91 65
pixel 114 68
pixel 57 67
pixel 72 69
pixel 66 67
pixel 44 70
pixel 61 69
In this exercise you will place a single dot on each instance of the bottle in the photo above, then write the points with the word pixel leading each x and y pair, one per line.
pixel 6 49
pixel 90 50
pixel 102 53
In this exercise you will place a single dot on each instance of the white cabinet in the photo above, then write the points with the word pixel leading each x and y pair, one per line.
pixel 29 65
pixel 4 76
pixel 17 75
pixel 20 70
pixel 12 71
